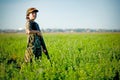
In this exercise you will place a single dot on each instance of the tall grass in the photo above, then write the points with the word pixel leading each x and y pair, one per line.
pixel 74 57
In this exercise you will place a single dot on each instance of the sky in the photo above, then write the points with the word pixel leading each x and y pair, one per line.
pixel 92 14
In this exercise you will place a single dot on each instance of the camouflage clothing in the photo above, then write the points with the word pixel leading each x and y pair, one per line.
pixel 33 42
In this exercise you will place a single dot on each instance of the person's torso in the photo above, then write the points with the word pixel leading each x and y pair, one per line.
pixel 32 37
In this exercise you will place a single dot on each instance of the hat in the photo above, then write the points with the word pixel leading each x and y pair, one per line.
pixel 31 10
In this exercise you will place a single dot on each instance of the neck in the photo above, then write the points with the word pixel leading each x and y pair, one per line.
pixel 30 20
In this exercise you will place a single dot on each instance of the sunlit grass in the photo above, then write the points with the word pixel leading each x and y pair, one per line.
pixel 74 57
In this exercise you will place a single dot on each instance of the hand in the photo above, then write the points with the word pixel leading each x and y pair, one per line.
pixel 39 33
pixel 44 51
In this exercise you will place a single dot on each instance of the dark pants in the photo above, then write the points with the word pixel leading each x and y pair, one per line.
pixel 38 53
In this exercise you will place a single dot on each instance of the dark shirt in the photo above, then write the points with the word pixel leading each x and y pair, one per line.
pixel 31 25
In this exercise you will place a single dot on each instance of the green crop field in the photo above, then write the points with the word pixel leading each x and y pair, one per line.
pixel 74 56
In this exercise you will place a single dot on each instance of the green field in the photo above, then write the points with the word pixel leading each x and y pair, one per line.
pixel 74 56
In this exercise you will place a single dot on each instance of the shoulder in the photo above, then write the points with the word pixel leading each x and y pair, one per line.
pixel 37 26
pixel 28 22
pixel 36 23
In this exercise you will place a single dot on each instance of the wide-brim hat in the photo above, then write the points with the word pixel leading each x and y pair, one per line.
pixel 30 10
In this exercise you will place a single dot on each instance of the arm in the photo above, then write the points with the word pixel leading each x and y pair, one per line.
pixel 33 32
pixel 42 41
pixel 29 29
pixel 44 47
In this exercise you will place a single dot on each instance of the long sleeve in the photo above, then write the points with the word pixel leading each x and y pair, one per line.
pixel 44 47
pixel 43 42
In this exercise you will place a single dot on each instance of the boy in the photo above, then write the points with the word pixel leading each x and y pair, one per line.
pixel 35 41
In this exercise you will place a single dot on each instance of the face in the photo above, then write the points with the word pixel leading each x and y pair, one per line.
pixel 32 16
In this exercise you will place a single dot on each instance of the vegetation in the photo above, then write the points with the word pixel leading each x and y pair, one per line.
pixel 74 56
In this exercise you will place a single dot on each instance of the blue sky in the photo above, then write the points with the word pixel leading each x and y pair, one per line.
pixel 94 14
